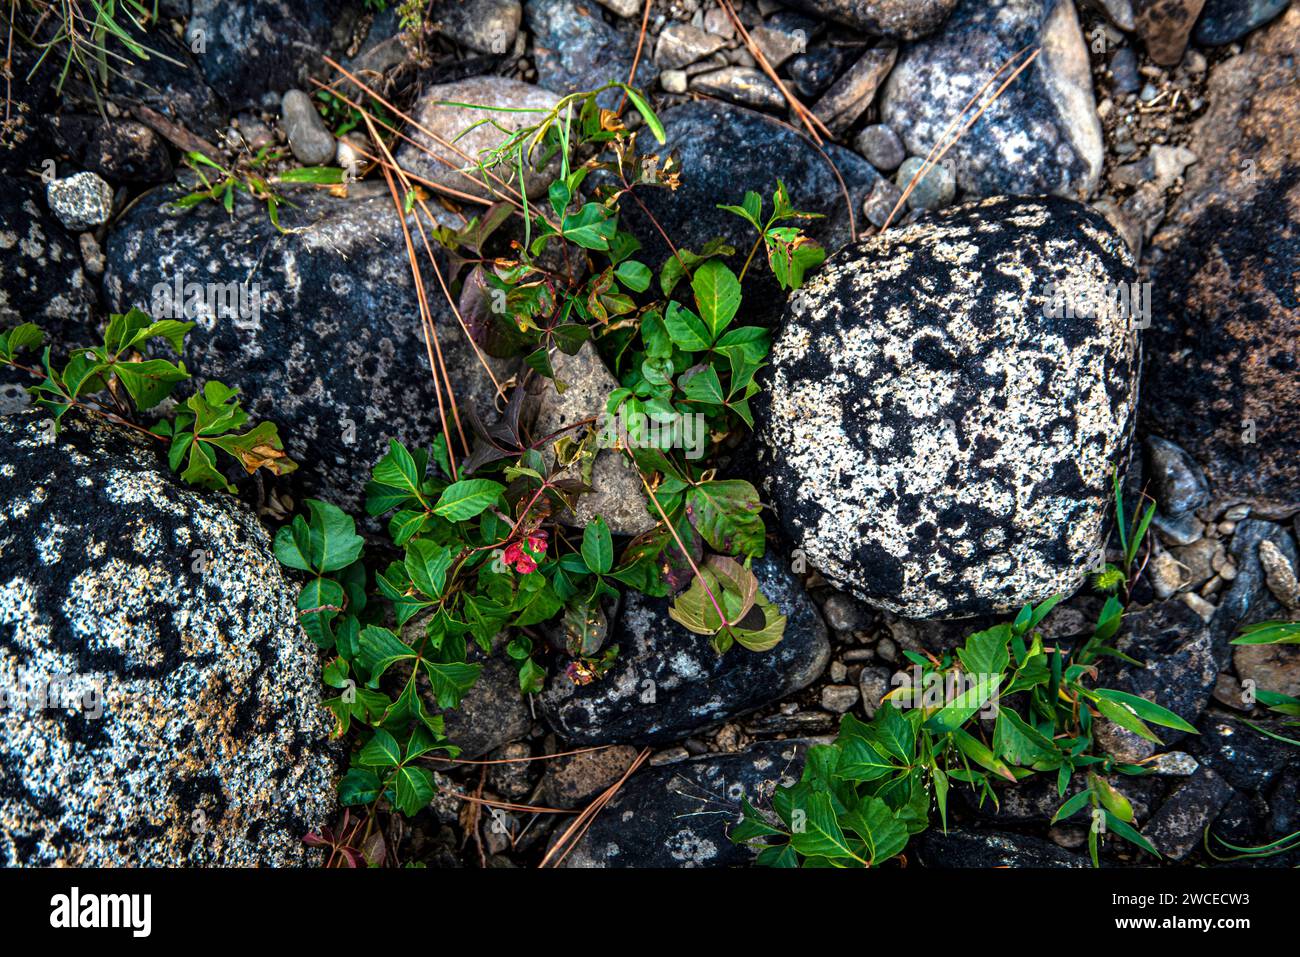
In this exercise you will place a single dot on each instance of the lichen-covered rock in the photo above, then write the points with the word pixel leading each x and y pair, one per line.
pixel 468 136
pixel 162 704
pixel 904 19
pixel 328 342
pixel 983 849
pixel 1223 370
pixel 80 201
pixel 1165 26
pixel 679 815
pixel 1041 135
pixel 668 682
pixel 938 432
pixel 725 151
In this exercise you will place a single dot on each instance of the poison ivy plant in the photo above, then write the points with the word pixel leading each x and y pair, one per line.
pixel 118 380
pixel 860 799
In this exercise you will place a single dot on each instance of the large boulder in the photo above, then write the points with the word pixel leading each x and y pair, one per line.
pixel 940 423
pixel 668 682
pixel 1222 374
pixel 1041 135
pixel 727 150
pixel 163 705
pixel 679 815
pixel 331 346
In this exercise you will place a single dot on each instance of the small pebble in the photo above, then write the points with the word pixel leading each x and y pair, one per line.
pixel 311 141
pixel 839 698
pixel 881 147
pixel 1198 604
pixel 673 81
pixel 933 191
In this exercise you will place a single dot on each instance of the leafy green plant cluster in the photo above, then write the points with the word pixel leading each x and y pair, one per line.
pixel 861 798
pixel 118 381
pixel 478 556
pixel 252 177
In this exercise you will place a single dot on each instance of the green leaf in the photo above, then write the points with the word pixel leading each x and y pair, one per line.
pixel 647 114
pixel 985 652
pixel 957 712
pixel 359 786
pixel 591 227
pixel 415 789
pixel 427 564
pixel 704 386
pixel 686 329
pixel 635 275
pixel 332 537
pixel 1018 742
pixel 726 513
pixel 1270 633
pixel 466 498
pixel 1147 710
pixel 874 822
pixel 821 835
pixel 1122 716
pixel 380 648
pixel 598 547
pixel 450 681
pixel 1129 833
pixel 717 295
pixel 292 542
pixel 381 751
pixel 399 469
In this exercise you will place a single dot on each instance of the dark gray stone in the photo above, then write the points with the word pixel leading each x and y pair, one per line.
pixel 197 734
pixel 813 72
pixel 1175 645
pixel 1177 827
pixel 668 682
pixel 724 152
pixel 881 147
pixel 264 46
pixel 494 712
pixel 309 138
pixel 1123 67
pixel 1042 135
pixel 679 815
pixel 1180 484
pixel 960 848
pixel 333 351
pixel 890 440
pixel 1227 21
pixel 1249 599
pixel 575 49
pixel 905 19
pixel 1241 755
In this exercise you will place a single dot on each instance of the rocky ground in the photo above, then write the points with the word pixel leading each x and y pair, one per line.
pixel 1149 142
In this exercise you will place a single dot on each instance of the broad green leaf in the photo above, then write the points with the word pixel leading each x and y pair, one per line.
pixel 381 751
pixel 598 547
pixel 415 789
pixel 726 513
pixel 466 498
pixel 333 537
pixel 1147 710
pixel 717 295
pixel 427 564
pixel 821 835
pixel 686 329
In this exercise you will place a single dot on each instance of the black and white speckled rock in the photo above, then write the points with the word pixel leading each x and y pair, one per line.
pixel 80 201
pixel 679 815
pixel 934 441
pixel 725 151
pixel 336 338
pixel 208 745
pixel 1041 135
pixel 667 682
